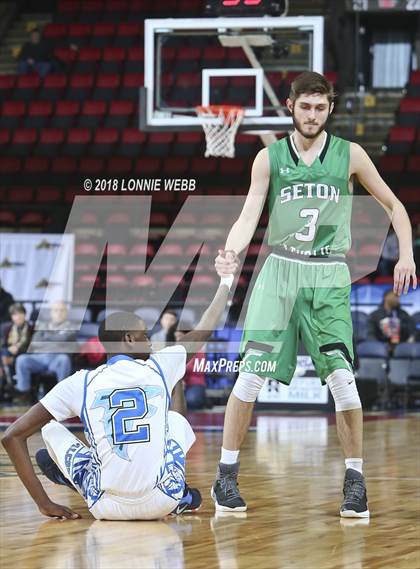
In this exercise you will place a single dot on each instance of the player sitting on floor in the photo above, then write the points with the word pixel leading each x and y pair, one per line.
pixel 134 466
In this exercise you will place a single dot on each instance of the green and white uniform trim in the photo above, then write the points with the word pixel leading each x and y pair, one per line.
pixel 304 298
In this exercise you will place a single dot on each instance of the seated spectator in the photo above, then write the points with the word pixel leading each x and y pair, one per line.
pixel 194 379
pixel 56 330
pixel 390 323
pixel 35 55
pixel 168 323
pixel 6 301
pixel 15 341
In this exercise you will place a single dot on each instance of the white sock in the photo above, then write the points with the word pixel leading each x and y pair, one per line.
pixel 355 463
pixel 229 456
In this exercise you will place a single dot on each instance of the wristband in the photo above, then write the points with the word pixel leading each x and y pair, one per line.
pixel 228 281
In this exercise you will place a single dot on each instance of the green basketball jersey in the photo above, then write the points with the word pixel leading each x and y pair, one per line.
pixel 310 206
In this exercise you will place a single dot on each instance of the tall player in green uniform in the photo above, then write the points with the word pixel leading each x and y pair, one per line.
pixel 304 287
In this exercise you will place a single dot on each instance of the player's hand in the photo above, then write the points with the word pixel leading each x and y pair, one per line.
pixel 226 263
pixel 404 270
pixel 53 510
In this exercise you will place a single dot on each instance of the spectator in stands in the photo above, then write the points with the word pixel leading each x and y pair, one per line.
pixel 56 330
pixel 168 323
pixel 15 341
pixel 389 323
pixel 6 301
pixel 390 254
pixel 194 379
pixel 35 55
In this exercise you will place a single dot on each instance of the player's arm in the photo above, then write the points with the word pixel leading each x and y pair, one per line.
pixel 362 166
pixel 15 443
pixel 194 340
pixel 244 227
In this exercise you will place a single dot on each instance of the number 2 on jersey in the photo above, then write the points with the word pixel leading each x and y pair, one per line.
pixel 131 406
pixel 311 225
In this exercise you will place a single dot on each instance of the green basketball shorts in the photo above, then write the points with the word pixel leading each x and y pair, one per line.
pixel 293 300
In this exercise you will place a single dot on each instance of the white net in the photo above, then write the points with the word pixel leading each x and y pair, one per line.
pixel 221 130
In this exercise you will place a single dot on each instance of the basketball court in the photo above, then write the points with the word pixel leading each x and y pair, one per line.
pixel 291 476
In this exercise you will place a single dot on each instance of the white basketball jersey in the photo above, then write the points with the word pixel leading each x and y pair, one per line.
pixel 124 409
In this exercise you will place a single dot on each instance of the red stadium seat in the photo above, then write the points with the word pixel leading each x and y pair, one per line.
pixel 38 114
pixel 173 167
pixel 147 167
pixel 409 195
pixel 53 31
pixel 20 194
pixel 63 166
pixel 188 144
pixel 102 35
pixel 135 60
pixel 27 87
pixel 140 249
pixel 47 195
pixel 128 34
pixel 131 84
pixel 65 114
pixel 66 56
pixel 104 141
pixel 87 60
pixel 132 141
pixel 79 34
pixel 35 166
pixel 409 111
pixel 80 87
pixel 391 164
pixel 115 10
pixel 203 166
pixel 413 88
pixel 119 114
pixel 32 219
pixel 7 83
pixel 92 166
pixel 23 140
pixel 143 281
pixel 77 141
pixel 53 87
pixel 5 137
pixel 12 113
pixel 7 218
pixel 87 249
pixel 401 139
pixel 119 166
pixel 159 143
pixel 92 114
pixel 106 87
pixel 112 60
pixel 159 220
pixel 118 249
pixel 214 56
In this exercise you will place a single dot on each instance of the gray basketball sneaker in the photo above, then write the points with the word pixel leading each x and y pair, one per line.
pixel 355 499
pixel 225 491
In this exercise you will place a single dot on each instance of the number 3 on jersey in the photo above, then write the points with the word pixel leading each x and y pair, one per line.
pixel 311 225
pixel 131 407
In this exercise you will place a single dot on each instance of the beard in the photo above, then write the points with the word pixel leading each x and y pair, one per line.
pixel 302 128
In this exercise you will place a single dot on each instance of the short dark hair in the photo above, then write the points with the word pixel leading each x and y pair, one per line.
pixel 170 311
pixel 116 325
pixel 312 83
pixel 387 292
pixel 17 308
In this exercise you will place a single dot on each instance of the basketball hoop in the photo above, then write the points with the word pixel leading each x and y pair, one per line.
pixel 220 124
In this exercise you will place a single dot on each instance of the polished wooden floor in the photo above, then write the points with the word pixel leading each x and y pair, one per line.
pixel 291 476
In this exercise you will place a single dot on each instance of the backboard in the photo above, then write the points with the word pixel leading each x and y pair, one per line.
pixel 234 61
